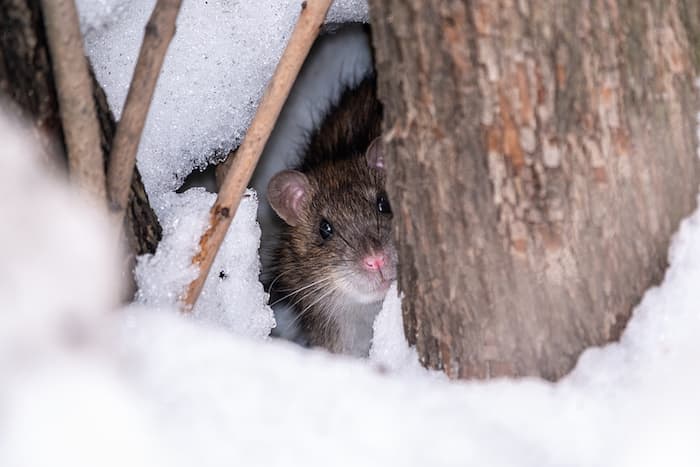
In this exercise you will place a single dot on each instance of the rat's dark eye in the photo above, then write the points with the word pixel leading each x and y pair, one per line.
pixel 325 229
pixel 383 205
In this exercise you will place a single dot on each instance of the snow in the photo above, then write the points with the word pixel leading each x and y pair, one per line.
pixel 219 62
pixel 232 297
pixel 40 224
pixel 390 350
pixel 58 282
pixel 83 385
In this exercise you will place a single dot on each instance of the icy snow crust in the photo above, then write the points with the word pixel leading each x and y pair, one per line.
pixel 83 385
pixel 218 64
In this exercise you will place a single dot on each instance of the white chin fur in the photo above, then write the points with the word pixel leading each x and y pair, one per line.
pixel 367 298
pixel 360 290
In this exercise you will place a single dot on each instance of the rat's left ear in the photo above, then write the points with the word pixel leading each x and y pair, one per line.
pixel 287 193
pixel 375 154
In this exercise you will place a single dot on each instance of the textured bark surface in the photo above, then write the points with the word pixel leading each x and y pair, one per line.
pixel 26 83
pixel 27 89
pixel 141 224
pixel 540 156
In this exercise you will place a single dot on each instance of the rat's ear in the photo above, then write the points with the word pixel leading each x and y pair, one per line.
pixel 286 193
pixel 375 154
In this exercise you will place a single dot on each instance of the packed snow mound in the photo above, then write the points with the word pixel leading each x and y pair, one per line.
pixel 232 297
pixel 221 58
pixel 84 386
pixel 389 349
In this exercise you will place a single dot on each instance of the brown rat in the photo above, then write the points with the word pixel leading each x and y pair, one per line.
pixel 336 259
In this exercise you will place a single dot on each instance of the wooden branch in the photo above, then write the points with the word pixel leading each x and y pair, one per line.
pixel 308 25
pixel 159 31
pixel 74 89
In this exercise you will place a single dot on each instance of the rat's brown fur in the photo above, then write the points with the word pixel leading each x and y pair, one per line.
pixel 322 277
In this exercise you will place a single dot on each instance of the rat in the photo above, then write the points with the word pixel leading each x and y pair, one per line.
pixel 335 258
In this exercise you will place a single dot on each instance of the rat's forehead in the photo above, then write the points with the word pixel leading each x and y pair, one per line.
pixel 346 176
pixel 345 187
pixel 349 191
pixel 343 201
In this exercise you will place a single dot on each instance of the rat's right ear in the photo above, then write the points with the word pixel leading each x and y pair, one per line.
pixel 375 154
pixel 286 193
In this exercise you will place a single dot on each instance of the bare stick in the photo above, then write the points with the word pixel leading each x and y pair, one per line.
pixel 160 30
pixel 310 20
pixel 74 89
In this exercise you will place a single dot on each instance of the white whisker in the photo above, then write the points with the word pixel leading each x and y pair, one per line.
pixel 325 279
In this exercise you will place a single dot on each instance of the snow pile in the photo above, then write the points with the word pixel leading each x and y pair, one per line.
pixel 219 62
pixel 82 386
pixel 232 297
pixel 390 350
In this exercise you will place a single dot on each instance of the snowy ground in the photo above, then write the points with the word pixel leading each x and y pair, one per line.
pixel 83 385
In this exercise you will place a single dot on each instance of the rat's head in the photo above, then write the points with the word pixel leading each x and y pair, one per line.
pixel 339 225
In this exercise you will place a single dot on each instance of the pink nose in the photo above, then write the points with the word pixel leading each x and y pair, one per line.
pixel 374 262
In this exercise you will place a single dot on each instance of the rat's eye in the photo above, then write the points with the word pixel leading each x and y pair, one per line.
pixel 383 205
pixel 325 229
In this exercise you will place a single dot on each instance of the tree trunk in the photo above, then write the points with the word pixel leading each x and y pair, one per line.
pixel 540 156
pixel 26 78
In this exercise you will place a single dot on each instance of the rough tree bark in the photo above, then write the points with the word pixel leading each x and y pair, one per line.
pixel 540 156
pixel 26 79
pixel 25 76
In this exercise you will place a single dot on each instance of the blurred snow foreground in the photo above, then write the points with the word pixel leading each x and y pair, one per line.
pixel 84 385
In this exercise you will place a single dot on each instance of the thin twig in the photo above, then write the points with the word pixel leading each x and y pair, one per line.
pixel 160 30
pixel 74 89
pixel 313 13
